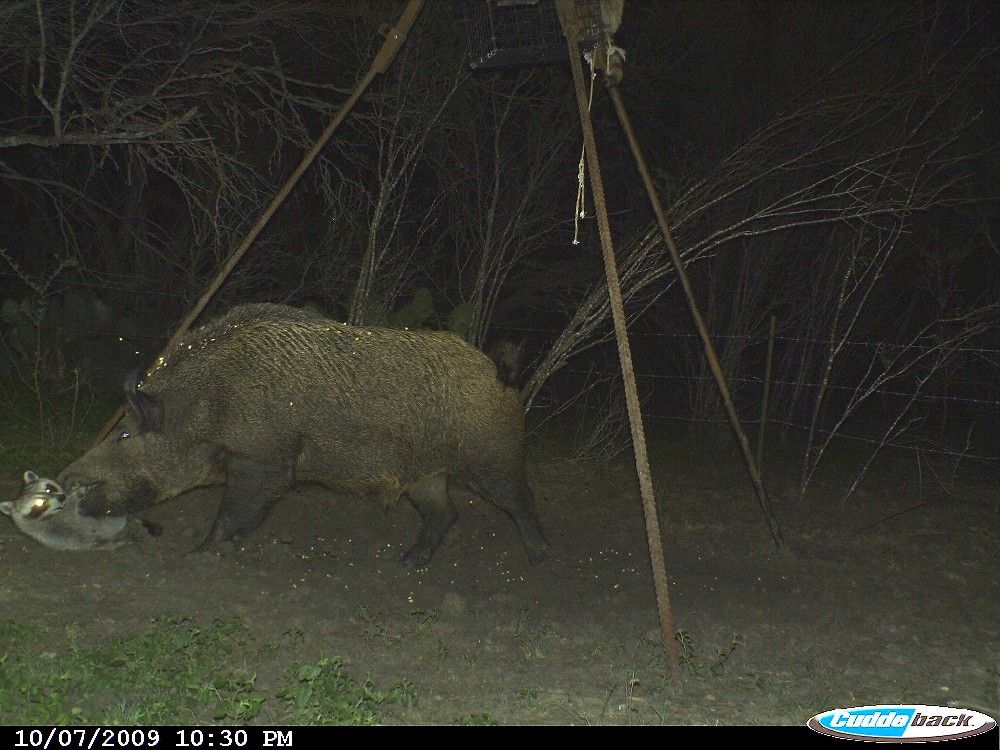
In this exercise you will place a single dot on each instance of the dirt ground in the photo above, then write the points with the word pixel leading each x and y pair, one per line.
pixel 891 598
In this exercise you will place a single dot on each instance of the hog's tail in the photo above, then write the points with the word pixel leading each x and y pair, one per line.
pixel 508 358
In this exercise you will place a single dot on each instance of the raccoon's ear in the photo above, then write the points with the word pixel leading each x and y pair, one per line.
pixel 147 408
pixel 30 476
pixel 6 506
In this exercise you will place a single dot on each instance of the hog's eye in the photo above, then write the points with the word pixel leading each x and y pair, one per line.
pixel 124 435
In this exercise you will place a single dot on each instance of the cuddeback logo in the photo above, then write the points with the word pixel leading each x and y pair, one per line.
pixel 901 723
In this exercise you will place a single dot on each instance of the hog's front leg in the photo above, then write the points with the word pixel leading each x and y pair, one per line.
pixel 252 489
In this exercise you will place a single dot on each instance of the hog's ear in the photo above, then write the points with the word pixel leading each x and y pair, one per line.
pixel 147 408
pixel 5 507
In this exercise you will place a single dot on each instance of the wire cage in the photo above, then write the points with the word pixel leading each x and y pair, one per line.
pixel 507 33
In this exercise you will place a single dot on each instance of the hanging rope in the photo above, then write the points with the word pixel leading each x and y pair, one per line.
pixel 581 207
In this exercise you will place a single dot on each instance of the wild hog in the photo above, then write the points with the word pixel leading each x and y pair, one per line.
pixel 268 395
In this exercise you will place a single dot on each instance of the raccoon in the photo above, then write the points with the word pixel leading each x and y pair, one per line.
pixel 44 512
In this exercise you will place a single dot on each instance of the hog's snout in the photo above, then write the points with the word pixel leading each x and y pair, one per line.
pixel 74 483
pixel 86 491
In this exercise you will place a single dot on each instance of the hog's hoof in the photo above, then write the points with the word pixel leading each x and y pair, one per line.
pixel 416 557
pixel 205 546
pixel 209 544
pixel 210 548
pixel 537 556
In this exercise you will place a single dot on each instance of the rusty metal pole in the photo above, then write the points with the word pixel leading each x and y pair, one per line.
pixel 570 26
pixel 394 38
pixel 713 361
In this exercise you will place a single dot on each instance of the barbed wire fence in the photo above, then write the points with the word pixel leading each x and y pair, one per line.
pixel 983 405
pixel 132 348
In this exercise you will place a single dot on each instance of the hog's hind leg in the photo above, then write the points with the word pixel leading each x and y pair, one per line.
pixel 430 497
pixel 512 495
pixel 252 489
